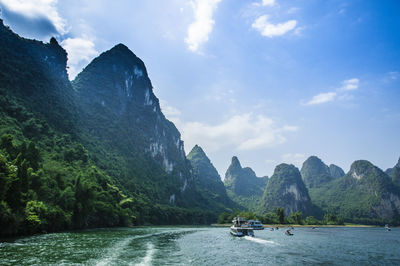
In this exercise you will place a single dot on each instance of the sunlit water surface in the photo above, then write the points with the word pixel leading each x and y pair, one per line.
pixel 205 246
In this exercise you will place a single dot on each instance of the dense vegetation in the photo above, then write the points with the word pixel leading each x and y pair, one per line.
pixel 47 180
pixel 59 171
pixel 360 196
pixel 394 174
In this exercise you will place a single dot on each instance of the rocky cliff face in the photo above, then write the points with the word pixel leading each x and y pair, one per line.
pixel 315 173
pixel 207 179
pixel 120 108
pixel 285 189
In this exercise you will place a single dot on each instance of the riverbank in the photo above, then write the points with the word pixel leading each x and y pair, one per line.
pixel 301 225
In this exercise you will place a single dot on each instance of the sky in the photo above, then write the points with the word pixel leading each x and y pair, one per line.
pixel 269 81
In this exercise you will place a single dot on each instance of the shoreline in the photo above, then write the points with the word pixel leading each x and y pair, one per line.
pixel 304 226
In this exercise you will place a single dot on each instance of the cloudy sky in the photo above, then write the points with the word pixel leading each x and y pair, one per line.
pixel 269 81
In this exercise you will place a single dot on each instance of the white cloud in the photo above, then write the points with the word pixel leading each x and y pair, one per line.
pixel 350 84
pixel 299 31
pixel 38 9
pixel 240 132
pixel 268 29
pixel 341 93
pixel 268 2
pixel 80 51
pixel 322 98
pixel 203 24
pixel 294 158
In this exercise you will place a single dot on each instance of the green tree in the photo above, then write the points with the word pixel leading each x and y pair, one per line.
pixel 35 216
pixel 270 218
pixel 223 218
pixel 280 213
pixel 332 219
pixel 295 218
pixel 310 220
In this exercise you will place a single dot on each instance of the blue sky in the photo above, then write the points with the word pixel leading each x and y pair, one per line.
pixel 267 81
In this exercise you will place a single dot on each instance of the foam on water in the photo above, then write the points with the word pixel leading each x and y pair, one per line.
pixel 149 256
pixel 116 251
pixel 260 241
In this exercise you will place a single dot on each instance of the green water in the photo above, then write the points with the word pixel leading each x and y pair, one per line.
pixel 205 246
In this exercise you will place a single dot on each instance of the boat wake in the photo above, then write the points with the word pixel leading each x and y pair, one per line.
pixel 260 241
pixel 116 251
pixel 120 246
pixel 149 256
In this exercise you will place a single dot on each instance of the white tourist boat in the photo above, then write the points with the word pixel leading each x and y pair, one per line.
pixel 240 227
pixel 256 225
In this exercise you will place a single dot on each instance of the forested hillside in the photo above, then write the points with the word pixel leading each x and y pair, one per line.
pixel 66 164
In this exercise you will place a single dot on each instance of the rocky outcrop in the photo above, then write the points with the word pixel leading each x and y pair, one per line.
pixel 243 181
pixel 36 72
pixel 120 108
pixel 314 172
pixel 285 189
pixel 207 179
pixel 394 173
pixel 336 171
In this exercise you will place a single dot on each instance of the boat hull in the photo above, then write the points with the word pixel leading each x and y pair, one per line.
pixel 238 234
pixel 240 231
pixel 258 228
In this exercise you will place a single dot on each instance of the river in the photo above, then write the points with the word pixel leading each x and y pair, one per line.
pixel 205 246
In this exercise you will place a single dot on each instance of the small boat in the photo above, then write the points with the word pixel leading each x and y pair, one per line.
pixel 387 228
pixel 240 227
pixel 288 233
pixel 256 225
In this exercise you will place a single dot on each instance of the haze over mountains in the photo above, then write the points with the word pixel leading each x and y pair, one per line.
pixel 98 151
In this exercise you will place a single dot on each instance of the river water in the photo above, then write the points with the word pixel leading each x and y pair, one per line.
pixel 205 246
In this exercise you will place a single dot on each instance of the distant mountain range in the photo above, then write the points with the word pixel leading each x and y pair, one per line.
pixel 98 151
